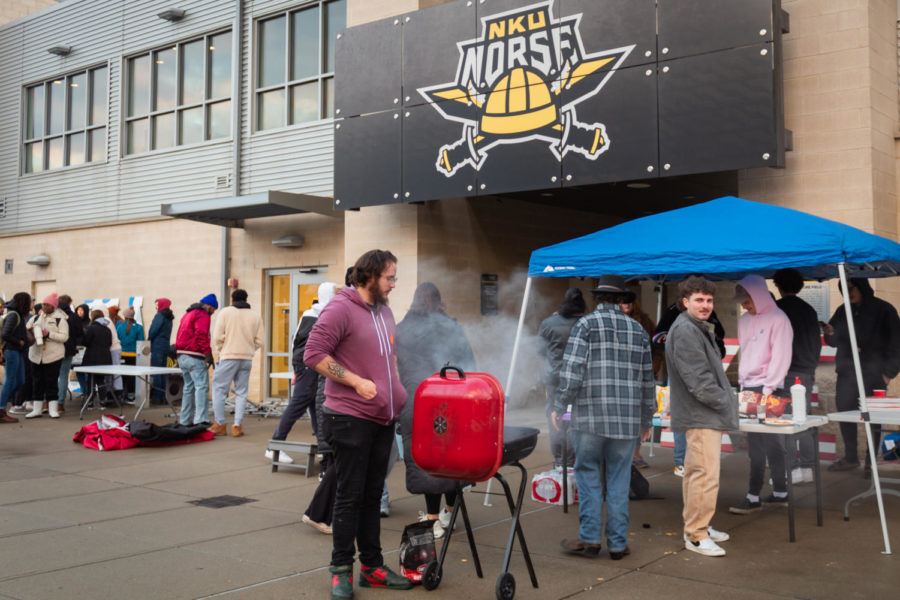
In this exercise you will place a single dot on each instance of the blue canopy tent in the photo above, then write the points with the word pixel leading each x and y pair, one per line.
pixel 725 239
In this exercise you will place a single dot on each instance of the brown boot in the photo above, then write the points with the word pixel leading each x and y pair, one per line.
pixel 218 429
pixel 237 430
pixel 5 418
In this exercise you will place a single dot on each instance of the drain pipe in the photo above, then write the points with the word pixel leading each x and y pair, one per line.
pixel 237 46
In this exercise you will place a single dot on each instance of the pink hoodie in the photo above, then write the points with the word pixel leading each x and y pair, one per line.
pixel 765 339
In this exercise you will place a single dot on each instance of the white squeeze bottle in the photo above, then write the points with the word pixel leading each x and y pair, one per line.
pixel 798 400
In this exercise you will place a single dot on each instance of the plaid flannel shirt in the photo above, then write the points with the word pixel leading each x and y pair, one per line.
pixel 607 375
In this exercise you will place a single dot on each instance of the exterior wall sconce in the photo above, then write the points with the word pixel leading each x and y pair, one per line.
pixel 288 241
pixel 41 260
pixel 173 14
pixel 60 50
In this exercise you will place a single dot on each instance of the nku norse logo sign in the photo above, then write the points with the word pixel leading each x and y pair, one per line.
pixel 521 81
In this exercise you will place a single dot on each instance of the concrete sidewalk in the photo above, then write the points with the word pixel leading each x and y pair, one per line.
pixel 77 523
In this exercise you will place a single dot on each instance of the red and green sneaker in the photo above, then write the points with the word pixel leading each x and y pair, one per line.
pixel 382 577
pixel 341 582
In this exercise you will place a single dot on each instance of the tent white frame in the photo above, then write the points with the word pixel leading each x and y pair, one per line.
pixel 864 410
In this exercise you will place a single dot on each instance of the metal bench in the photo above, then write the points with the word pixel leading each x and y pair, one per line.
pixel 297 449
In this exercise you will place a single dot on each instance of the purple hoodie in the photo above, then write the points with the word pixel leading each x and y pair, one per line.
pixel 765 338
pixel 362 340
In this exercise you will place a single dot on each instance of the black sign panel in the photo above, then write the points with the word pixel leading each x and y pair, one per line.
pixel 616 24
pixel 434 160
pixel 368 60
pixel 702 26
pixel 430 39
pixel 502 96
pixel 716 112
pixel 367 160
pixel 622 143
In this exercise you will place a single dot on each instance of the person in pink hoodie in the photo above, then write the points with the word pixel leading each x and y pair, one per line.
pixel 765 337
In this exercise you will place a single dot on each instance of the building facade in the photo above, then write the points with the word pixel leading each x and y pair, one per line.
pixel 155 149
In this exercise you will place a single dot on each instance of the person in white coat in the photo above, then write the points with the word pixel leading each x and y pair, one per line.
pixel 51 330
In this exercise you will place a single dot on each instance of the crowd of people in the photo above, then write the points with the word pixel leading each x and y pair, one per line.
pixel 356 372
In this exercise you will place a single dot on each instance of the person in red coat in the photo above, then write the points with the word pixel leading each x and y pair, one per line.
pixel 192 345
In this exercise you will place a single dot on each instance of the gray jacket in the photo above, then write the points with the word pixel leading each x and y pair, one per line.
pixel 700 396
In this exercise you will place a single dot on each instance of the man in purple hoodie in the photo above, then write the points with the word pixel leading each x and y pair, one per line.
pixel 766 338
pixel 352 344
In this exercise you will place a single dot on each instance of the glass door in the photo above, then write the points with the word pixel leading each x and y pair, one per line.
pixel 290 292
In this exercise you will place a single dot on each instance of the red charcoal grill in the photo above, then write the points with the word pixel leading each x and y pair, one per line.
pixel 458 433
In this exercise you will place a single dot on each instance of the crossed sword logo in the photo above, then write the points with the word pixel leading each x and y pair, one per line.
pixel 564 132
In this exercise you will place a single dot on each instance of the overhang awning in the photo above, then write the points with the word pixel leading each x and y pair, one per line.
pixel 231 212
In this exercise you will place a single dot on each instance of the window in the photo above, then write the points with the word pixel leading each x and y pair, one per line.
pixel 295 64
pixel 179 94
pixel 65 121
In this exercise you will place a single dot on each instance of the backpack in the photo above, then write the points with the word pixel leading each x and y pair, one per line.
pixel 3 343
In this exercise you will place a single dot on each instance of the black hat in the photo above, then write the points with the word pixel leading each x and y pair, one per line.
pixel 614 284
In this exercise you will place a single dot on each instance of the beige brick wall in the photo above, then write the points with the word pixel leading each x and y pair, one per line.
pixel 10 10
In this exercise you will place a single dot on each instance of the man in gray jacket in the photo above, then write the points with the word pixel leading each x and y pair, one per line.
pixel 703 406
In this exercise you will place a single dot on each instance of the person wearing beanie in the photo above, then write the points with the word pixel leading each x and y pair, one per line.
pixel 237 337
pixel 192 345
pixel 130 332
pixel 51 330
pixel 160 334
pixel 114 314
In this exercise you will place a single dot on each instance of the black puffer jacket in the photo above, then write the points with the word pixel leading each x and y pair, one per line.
pixel 425 343
pixel 97 340
pixel 13 331
pixel 877 335
pixel 76 331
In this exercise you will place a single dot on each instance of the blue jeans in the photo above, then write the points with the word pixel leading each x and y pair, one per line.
pixel 15 375
pixel 195 397
pixel 591 452
pixel 63 383
pixel 680 448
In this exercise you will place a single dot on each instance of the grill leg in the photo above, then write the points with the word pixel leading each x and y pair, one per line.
pixel 515 508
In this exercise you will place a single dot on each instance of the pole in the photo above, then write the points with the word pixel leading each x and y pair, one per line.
pixel 863 407
pixel 512 367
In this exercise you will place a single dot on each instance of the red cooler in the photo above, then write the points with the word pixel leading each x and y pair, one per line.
pixel 457 430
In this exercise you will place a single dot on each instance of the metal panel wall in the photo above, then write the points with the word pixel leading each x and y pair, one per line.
pixel 296 159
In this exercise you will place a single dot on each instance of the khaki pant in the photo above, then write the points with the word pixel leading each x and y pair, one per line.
pixel 701 481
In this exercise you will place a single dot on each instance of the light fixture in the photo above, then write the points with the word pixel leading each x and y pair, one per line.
pixel 60 50
pixel 173 14
pixel 288 241
pixel 41 260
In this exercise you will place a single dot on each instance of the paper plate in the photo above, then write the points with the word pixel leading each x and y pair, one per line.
pixel 781 422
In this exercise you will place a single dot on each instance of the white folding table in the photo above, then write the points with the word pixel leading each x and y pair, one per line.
pixel 141 372
pixel 883 417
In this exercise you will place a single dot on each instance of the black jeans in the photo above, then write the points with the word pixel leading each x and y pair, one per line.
pixel 762 447
pixel 361 449
pixel 433 502
pixel 847 398
pixel 303 398
pixel 129 381
pixel 321 508
pixel 46 381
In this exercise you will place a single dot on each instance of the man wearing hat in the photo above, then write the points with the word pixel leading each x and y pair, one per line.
pixel 192 345
pixel 607 379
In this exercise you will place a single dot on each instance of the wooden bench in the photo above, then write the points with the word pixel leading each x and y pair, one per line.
pixel 297 449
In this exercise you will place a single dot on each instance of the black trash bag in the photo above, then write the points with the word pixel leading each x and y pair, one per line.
pixel 417 549
pixel 640 487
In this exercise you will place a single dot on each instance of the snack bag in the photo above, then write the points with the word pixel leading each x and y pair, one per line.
pixel 416 549
pixel 747 402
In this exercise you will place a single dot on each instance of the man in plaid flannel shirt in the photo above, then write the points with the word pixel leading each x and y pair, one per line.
pixel 607 378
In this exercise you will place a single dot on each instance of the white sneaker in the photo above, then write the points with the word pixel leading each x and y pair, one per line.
pixel 706 547
pixel 444 517
pixel 283 457
pixel 438 528
pixel 714 534
pixel 679 471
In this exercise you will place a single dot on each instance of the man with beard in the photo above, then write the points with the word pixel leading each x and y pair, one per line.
pixel 352 344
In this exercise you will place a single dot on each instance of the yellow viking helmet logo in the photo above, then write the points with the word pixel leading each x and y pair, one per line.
pixel 519 82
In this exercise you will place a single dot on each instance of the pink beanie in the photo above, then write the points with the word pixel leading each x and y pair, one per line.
pixel 52 300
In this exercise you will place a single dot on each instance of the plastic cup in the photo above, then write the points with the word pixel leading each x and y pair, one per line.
pixel 761 412
pixel 879 393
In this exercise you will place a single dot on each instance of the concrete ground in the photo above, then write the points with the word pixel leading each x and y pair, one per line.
pixel 77 523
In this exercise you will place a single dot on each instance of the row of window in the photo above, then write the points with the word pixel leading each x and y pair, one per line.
pixel 181 94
